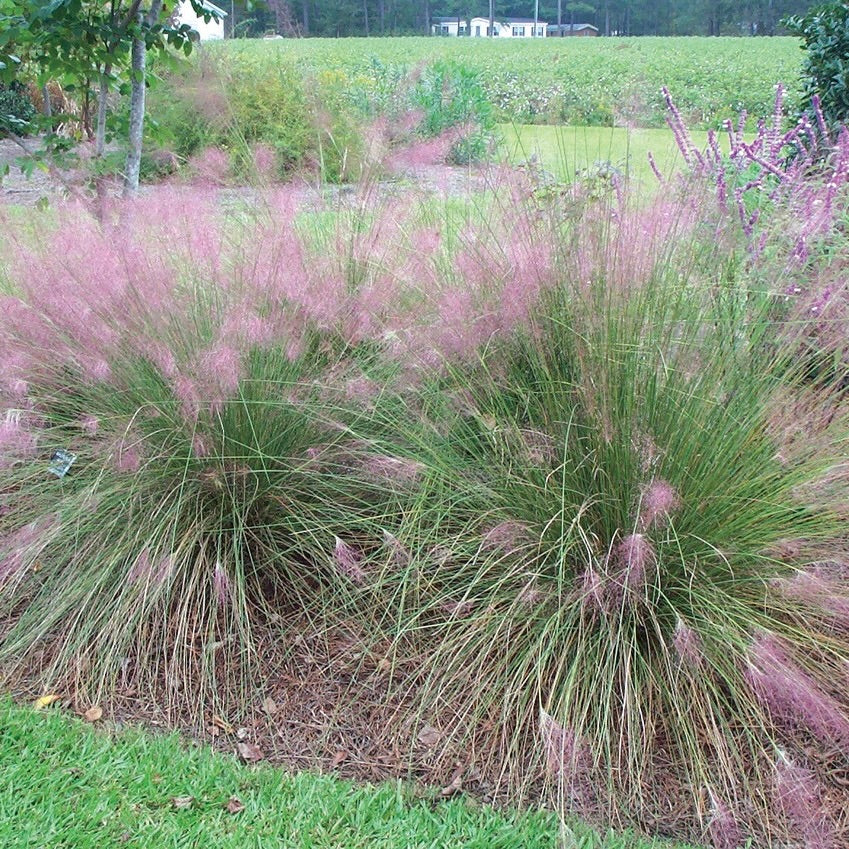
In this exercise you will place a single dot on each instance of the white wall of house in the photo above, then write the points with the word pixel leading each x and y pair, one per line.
pixel 208 31
pixel 479 28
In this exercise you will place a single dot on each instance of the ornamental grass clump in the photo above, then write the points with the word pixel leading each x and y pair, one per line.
pixel 178 466
pixel 614 601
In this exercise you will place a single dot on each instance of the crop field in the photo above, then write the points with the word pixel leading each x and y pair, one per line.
pixel 602 82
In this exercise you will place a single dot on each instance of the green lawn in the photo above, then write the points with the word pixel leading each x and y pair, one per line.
pixel 566 150
pixel 64 783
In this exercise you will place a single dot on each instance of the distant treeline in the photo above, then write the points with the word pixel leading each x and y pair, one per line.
pixel 610 17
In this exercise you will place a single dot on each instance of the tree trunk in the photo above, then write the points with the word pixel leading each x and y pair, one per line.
pixel 46 105
pixel 381 15
pixel 365 16
pixel 560 17
pixel 491 19
pixel 606 18
pixel 102 98
pixel 138 65
pixel 305 7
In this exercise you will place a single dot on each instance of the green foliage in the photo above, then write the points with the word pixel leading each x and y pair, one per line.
pixel 570 80
pixel 451 96
pixel 825 40
pixel 16 109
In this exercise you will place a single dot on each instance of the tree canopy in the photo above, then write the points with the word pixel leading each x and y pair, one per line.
pixel 611 17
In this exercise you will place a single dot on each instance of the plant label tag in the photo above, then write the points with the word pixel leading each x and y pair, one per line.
pixel 60 462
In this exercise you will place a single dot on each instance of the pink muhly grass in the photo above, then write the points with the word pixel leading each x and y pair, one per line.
pixel 723 829
pixel 463 326
pixel 688 645
pixel 361 389
pixel 458 609
pixel 201 445
pixel 20 548
pixel 818 591
pixel 348 561
pixel 399 554
pixel 127 459
pixel 425 153
pixel 592 590
pixel 567 760
pixel 635 555
pixel 220 369
pixel 264 161
pixel 508 536
pixel 797 797
pixel 659 501
pixel 16 440
pixel 90 424
pixel 530 595
pixel 397 469
pixel 186 392
pixel 142 567
pixel 791 694
pixel 210 166
pixel 145 570
pixel 222 584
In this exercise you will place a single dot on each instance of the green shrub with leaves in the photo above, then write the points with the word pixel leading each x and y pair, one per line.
pixel 450 96
pixel 16 109
pixel 825 73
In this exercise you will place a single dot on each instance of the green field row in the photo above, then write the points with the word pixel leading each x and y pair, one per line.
pixel 601 82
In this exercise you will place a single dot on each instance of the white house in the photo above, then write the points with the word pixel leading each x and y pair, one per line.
pixel 207 30
pixel 479 27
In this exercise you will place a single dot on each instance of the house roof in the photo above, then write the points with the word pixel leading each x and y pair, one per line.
pixel 211 9
pixel 573 27
pixel 520 21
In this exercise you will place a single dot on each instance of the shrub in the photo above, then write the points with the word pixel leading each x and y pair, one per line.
pixel 16 109
pixel 450 96
pixel 825 40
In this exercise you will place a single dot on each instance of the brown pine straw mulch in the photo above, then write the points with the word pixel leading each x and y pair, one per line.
pixel 326 704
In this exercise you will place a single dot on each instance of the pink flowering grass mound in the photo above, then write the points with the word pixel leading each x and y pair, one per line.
pixel 614 546
pixel 543 452
pixel 175 446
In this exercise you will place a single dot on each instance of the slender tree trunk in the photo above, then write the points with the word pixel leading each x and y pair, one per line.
pixel 381 15
pixel 138 66
pixel 102 98
pixel 491 19
pixel 560 17
pixel 47 106
pixel 606 18
pixel 365 16
pixel 305 7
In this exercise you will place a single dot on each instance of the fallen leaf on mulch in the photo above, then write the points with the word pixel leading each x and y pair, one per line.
pixel 428 736
pixel 269 705
pixel 93 714
pixel 221 723
pixel 454 787
pixel 45 701
pixel 234 805
pixel 249 752
pixel 182 802
pixel 338 758
pixel 242 733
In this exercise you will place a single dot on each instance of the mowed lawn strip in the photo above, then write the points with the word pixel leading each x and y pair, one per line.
pixel 64 783
pixel 568 152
